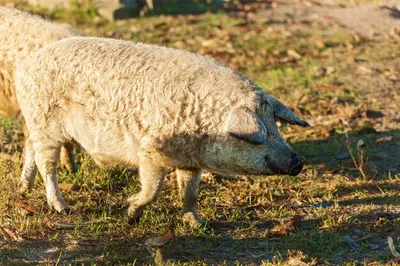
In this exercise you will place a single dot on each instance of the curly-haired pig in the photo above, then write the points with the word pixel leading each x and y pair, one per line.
pixel 21 34
pixel 157 108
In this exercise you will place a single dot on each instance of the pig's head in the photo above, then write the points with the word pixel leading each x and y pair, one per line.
pixel 253 144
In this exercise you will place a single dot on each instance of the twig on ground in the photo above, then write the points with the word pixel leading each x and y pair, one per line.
pixel 392 248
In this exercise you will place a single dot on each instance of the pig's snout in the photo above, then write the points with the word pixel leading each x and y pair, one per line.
pixel 296 165
pixel 293 165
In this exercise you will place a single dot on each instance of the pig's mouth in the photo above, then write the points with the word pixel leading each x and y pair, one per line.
pixel 298 167
pixel 295 168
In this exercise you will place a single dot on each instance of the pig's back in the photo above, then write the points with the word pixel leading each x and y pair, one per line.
pixel 145 88
pixel 21 34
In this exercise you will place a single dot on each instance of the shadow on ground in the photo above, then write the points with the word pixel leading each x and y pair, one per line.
pixel 363 238
pixel 333 155
pixel 182 7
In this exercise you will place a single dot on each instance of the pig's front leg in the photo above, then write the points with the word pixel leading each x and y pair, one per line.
pixel 188 181
pixel 151 179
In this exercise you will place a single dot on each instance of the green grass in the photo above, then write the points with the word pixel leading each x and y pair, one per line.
pixel 344 218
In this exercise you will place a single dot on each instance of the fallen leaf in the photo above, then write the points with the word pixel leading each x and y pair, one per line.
pixel 329 70
pixel 393 77
pixel 364 69
pixel 264 52
pixel 23 205
pixel 289 226
pixel 385 139
pixel 349 46
pixel 356 37
pixel 208 43
pixel 159 241
pixel 276 52
pixel 293 54
pixel 319 44
pixel 66 186
pixel 345 111
pixel 100 177
pixel 296 262
pixel 330 88
pixel 10 234
pixel 47 223
pixel 218 55
pixel 5 156
pixel 351 59
pixel 287 59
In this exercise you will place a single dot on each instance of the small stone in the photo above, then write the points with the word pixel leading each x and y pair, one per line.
pixel 342 155
pixel 263 243
pixel 393 170
pixel 330 70
pixel 114 9
pixel 351 242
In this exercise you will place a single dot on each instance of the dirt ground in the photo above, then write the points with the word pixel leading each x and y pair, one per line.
pixel 324 59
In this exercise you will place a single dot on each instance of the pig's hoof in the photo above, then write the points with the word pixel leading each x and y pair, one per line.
pixel 67 160
pixel 67 211
pixel 133 220
pixel 193 219
pixel 71 167
pixel 134 216
pixel 59 206
pixel 24 189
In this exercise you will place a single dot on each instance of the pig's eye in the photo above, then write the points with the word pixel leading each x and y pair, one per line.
pixel 264 108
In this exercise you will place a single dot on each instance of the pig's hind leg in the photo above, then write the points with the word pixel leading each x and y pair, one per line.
pixel 67 157
pixel 189 181
pixel 29 170
pixel 47 154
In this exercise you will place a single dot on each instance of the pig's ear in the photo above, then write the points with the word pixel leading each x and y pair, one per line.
pixel 244 124
pixel 283 113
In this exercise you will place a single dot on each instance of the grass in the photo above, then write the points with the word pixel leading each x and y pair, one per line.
pixel 329 214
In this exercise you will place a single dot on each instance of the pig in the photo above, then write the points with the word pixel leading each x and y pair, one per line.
pixel 158 108
pixel 21 34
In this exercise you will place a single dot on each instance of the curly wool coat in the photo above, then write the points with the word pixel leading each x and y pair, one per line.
pixel 20 35
pixel 155 107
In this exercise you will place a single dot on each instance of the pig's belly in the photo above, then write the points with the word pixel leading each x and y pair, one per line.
pixel 107 143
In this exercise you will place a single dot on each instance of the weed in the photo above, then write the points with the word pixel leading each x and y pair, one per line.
pixel 361 162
